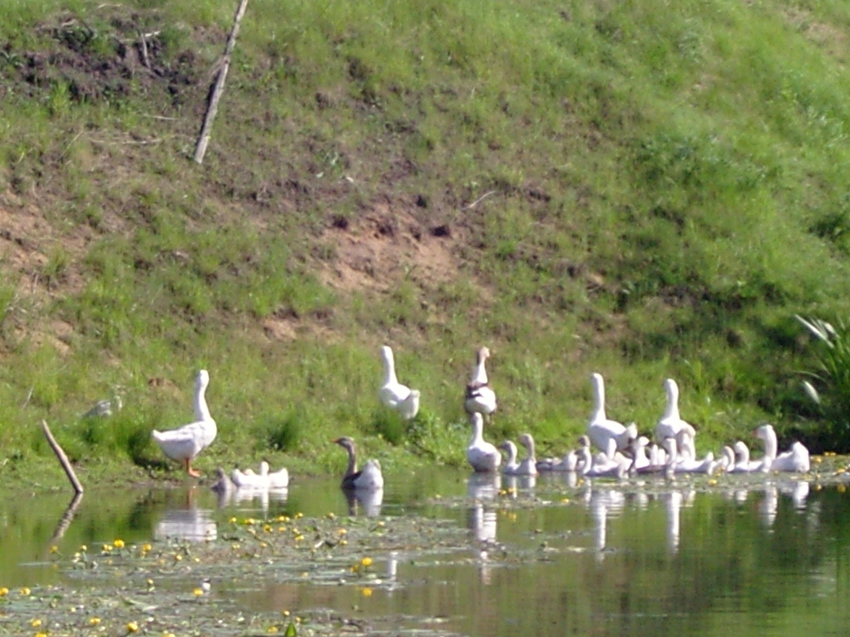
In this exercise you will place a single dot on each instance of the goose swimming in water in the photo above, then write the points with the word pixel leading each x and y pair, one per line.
pixel 609 436
pixel 482 455
pixel 528 466
pixel 511 464
pixel 743 464
pixel 392 393
pixel 795 460
pixel 370 477
pixel 480 397
pixel 263 480
pixel 185 443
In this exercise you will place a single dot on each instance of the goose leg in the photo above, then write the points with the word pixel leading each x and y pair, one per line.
pixel 192 472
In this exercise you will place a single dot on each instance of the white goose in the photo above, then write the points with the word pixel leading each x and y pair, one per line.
pixel 743 464
pixel 602 465
pixel 688 463
pixel 727 459
pixel 392 393
pixel 480 397
pixel 528 466
pixel 185 443
pixel 369 478
pixel 609 436
pixel 262 480
pixel 568 463
pixel 795 460
pixel 482 455
pixel 671 424
pixel 511 464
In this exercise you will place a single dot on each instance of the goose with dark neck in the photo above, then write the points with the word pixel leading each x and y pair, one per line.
pixel 368 478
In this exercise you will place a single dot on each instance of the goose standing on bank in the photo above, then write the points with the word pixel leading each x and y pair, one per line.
pixel 369 478
pixel 185 443
pixel 795 460
pixel 609 436
pixel 482 455
pixel 392 393
pixel 480 397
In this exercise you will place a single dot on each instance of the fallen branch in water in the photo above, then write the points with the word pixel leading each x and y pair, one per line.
pixel 63 459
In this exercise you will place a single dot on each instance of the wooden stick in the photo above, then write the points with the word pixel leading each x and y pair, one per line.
pixel 63 459
pixel 67 518
pixel 206 129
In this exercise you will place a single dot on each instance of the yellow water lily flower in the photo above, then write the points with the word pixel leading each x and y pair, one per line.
pixel 119 544
pixel 366 562
pixel 132 627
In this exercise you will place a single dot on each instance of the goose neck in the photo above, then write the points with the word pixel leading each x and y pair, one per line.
pixel 598 398
pixel 202 410
pixel 389 366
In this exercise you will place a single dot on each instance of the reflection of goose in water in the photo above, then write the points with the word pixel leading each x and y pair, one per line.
pixel 673 505
pixel 195 525
pixel 797 490
pixel 514 483
pixel 768 504
pixel 481 520
pixel 604 502
pixel 369 500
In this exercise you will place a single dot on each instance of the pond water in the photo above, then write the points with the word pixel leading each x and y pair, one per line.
pixel 742 555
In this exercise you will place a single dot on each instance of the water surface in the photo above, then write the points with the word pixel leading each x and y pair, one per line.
pixel 761 556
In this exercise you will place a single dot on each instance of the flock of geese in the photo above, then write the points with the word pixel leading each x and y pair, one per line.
pixel 620 450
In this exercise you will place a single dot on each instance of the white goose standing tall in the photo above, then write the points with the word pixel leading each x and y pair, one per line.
pixel 671 425
pixel 185 443
pixel 392 393
pixel 609 436
pixel 480 397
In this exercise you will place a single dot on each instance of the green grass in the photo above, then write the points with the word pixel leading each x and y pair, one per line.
pixel 657 192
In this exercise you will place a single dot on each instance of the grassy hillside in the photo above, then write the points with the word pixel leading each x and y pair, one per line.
pixel 636 188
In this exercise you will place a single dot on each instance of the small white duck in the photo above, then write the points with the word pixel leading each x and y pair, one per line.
pixel 511 464
pixel 263 480
pixel 482 455
pixel 369 478
pixel 392 393
pixel 480 397
pixel 609 436
pixel 795 460
pixel 528 466
pixel 185 443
